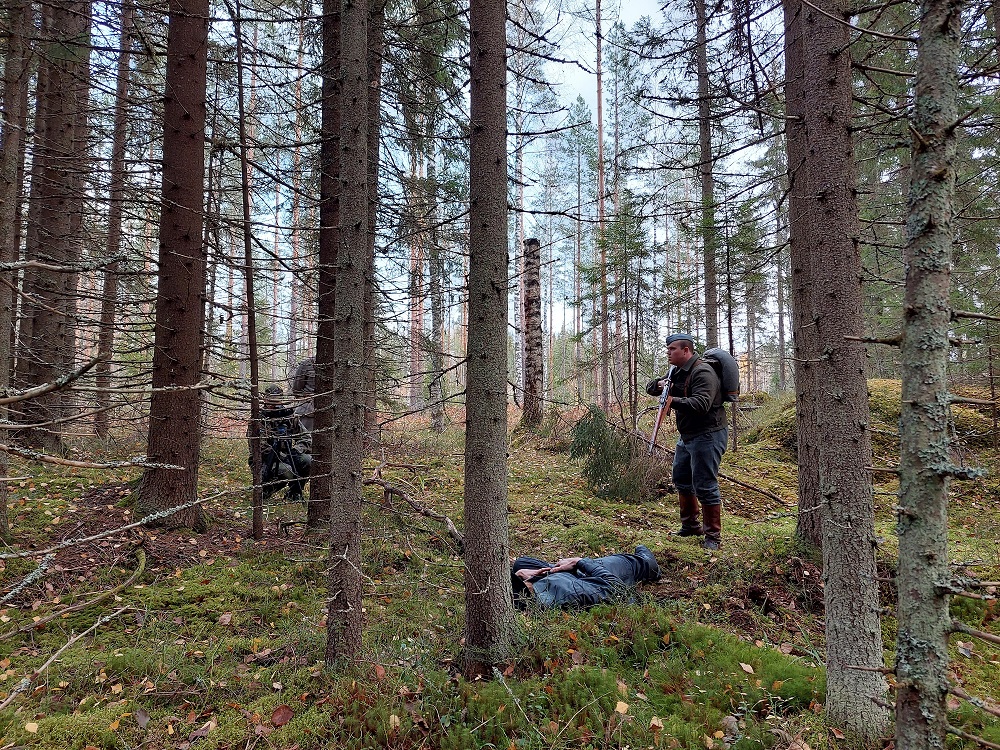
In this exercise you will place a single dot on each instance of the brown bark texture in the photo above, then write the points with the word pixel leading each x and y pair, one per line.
pixel 810 519
pixel 15 83
pixel 853 630
pixel 47 332
pixel 109 294
pixel 376 53
pixel 320 491
pixel 174 429
pixel 706 169
pixel 531 416
pixel 489 611
pixel 925 465
pixel 345 619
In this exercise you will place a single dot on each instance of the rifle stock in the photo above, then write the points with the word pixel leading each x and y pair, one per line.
pixel 662 411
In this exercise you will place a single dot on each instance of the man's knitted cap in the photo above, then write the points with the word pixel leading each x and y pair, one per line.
pixel 680 337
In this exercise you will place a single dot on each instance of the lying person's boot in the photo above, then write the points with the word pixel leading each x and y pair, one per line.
pixel 713 527
pixel 690 521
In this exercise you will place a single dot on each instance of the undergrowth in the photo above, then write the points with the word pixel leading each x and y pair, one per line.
pixel 219 644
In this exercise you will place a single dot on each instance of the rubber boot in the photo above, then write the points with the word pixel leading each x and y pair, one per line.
pixel 690 522
pixel 713 527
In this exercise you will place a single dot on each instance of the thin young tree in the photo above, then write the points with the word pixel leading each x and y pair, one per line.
pixel 531 416
pixel 489 610
pixel 175 406
pixel 116 200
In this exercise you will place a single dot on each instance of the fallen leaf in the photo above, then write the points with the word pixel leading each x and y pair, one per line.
pixel 786 648
pixel 836 733
pixel 379 672
pixel 965 648
pixel 621 708
pixel 225 618
pixel 394 722
pixel 709 742
pixel 116 688
pixel 747 668
pixel 141 718
pixel 655 724
pixel 113 726
pixel 202 731
pixel 281 715
pixel 718 734
pixel 31 727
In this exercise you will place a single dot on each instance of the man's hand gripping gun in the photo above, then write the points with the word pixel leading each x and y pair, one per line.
pixel 664 409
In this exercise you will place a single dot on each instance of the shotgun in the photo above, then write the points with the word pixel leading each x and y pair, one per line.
pixel 662 411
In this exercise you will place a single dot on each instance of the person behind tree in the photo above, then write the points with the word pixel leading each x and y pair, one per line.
pixel 581 581
pixel 304 388
pixel 285 448
pixel 697 401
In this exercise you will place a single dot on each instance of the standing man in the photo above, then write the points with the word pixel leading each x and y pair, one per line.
pixel 696 398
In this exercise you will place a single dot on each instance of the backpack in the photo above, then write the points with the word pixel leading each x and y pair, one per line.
pixel 728 370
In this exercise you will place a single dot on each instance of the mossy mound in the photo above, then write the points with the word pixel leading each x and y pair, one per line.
pixel 775 421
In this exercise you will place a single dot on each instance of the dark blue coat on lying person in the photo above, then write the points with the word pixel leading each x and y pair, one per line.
pixel 590 581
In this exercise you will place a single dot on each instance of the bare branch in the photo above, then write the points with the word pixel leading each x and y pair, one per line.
pixel 45 458
pixel 55 385
pixel 961 627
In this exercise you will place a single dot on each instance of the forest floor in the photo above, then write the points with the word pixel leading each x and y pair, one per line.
pixel 215 640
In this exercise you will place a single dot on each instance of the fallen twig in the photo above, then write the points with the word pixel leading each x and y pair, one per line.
pixel 140 554
pixel 141 522
pixel 29 579
pixel 25 682
pixel 390 489
pixel 977 702
pixel 966 736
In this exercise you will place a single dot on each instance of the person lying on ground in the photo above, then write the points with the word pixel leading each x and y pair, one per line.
pixel 581 581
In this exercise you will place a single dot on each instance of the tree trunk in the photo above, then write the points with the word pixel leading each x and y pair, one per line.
pixel 531 416
pixel 109 294
pixel 249 298
pixel 810 520
pixel 602 269
pixel 56 211
pixel 376 51
pixel 345 618
pixel 925 464
pixel 174 429
pixel 853 631
pixel 321 489
pixel 489 611
pixel 706 170
pixel 13 125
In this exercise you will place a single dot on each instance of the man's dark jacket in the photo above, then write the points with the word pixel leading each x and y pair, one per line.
pixel 594 580
pixel 697 398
